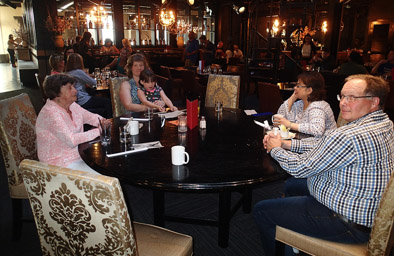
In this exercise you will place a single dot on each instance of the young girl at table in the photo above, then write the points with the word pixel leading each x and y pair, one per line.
pixel 151 94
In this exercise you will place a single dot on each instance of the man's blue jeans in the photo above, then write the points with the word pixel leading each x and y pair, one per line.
pixel 303 214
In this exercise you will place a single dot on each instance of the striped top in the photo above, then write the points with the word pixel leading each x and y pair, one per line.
pixel 348 168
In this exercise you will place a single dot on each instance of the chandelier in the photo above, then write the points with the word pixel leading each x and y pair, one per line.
pixel 97 14
pixel 324 27
pixel 167 18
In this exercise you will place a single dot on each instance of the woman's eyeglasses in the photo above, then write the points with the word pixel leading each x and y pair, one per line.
pixel 298 85
pixel 351 98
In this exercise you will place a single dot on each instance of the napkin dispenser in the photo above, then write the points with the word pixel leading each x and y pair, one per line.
pixel 192 113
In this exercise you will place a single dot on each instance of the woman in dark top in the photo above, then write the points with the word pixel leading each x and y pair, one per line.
pixel 85 51
pixel 308 48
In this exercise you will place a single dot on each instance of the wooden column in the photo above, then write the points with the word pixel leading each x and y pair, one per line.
pixel 335 11
pixel 117 8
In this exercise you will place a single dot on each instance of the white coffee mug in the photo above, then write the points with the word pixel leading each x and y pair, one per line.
pixel 178 154
pixel 133 127
pixel 276 116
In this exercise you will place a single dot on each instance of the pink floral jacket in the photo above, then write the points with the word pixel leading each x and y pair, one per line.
pixel 58 135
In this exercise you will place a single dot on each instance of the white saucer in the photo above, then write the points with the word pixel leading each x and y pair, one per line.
pixel 291 136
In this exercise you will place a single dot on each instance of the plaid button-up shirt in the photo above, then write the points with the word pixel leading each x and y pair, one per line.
pixel 348 168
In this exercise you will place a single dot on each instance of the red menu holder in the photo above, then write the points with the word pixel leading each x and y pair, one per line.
pixel 192 113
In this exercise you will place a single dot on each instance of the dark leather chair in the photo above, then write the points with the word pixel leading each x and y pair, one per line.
pixel 269 97
pixel 192 88
pixel 175 83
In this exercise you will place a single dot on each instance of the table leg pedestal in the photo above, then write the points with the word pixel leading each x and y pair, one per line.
pixel 247 200
pixel 158 208
pixel 224 217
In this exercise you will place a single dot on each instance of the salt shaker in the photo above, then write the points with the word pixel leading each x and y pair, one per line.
pixel 203 123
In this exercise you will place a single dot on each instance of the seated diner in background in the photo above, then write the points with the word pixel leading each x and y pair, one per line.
pixel 384 67
pixel 107 50
pixel 74 68
pixel 67 51
pixel 340 178
pixel 310 114
pixel 151 94
pixel 59 125
pixel 56 61
pixel 119 63
pixel 108 47
pixel 128 89
pixel 325 61
pixel 353 66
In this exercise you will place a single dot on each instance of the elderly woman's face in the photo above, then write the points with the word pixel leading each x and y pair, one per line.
pixel 68 93
pixel 137 68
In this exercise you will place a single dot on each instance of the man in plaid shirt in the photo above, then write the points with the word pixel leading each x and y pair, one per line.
pixel 340 178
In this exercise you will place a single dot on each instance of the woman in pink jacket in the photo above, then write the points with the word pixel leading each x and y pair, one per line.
pixel 59 125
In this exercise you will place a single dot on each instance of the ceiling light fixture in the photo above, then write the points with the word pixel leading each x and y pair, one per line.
pixel 190 2
pixel 239 10
pixel 167 18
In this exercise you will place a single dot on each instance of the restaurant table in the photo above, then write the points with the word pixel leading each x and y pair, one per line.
pixel 227 156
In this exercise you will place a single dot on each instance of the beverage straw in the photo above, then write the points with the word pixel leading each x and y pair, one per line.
pixel 101 125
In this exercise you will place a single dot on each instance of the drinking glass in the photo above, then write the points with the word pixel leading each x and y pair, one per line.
pixel 106 134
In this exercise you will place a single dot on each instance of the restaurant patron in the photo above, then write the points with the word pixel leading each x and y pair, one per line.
pixel 346 171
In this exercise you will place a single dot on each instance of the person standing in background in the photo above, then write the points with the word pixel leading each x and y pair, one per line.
pixel 191 50
pixel 207 50
pixel 11 49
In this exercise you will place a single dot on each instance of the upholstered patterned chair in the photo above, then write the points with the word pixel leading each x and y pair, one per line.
pixel 17 142
pixel 79 213
pixel 114 86
pixel 381 241
pixel 223 88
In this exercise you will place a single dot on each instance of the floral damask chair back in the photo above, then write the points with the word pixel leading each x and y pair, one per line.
pixel 79 213
pixel 223 88
pixel 381 240
pixel 114 86
pixel 17 142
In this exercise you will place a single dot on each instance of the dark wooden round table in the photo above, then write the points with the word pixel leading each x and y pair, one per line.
pixel 226 157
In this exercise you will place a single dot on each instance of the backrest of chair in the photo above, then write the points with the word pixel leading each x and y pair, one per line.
pixel 233 69
pixel 18 139
pixel 223 88
pixel 165 71
pixel 114 87
pixel 381 241
pixel 269 97
pixel 188 78
pixel 164 83
pixel 78 213
pixel 40 81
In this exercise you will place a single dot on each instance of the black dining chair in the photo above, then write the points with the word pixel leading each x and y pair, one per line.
pixel 192 88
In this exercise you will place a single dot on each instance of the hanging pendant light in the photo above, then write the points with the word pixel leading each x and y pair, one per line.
pixel 167 18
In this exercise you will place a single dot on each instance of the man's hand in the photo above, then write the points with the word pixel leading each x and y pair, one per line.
pixel 271 141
